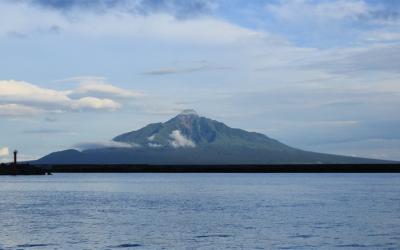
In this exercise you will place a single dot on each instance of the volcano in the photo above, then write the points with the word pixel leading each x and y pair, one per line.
pixel 191 139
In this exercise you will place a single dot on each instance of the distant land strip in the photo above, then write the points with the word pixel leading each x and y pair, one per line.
pixel 278 168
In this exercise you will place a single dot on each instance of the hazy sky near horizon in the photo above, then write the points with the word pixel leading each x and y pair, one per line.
pixel 319 75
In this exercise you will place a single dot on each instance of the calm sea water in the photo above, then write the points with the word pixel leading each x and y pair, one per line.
pixel 200 211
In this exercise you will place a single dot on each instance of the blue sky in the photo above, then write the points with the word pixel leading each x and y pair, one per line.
pixel 319 75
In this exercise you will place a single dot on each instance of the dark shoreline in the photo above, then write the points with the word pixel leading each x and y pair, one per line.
pixel 23 169
pixel 283 168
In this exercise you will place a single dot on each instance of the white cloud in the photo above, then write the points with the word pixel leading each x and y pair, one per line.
pixel 180 141
pixel 106 144
pixel 95 103
pixel 19 98
pixel 11 90
pixel 4 152
pixel 18 110
pixel 155 145
pixel 151 138
pixel 96 87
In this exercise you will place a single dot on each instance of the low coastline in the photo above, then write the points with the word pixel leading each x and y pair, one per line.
pixel 278 168
pixel 24 169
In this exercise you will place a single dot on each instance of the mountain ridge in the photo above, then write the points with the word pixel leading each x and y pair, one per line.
pixel 192 139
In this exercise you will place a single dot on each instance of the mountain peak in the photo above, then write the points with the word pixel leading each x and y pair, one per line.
pixel 189 112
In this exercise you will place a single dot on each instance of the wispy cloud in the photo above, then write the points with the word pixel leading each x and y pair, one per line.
pixel 45 131
pixel 19 110
pixel 301 9
pixel 183 70
pixel 380 58
pixel 384 12
pixel 96 86
pixel 179 8
pixel 105 144
pixel 23 34
pixel 381 12
pixel 381 36
pixel 102 89
pixel 336 22
pixel 170 71
pixel 80 79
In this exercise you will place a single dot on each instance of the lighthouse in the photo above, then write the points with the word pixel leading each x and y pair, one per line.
pixel 15 157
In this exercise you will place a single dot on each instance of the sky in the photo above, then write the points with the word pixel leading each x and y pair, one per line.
pixel 319 75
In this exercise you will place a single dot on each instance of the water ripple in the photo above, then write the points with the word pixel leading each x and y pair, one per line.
pixel 214 236
pixel 129 245
pixel 34 245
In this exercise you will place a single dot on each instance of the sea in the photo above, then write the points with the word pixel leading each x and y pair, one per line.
pixel 200 211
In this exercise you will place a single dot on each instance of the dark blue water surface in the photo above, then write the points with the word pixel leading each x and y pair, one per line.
pixel 200 211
